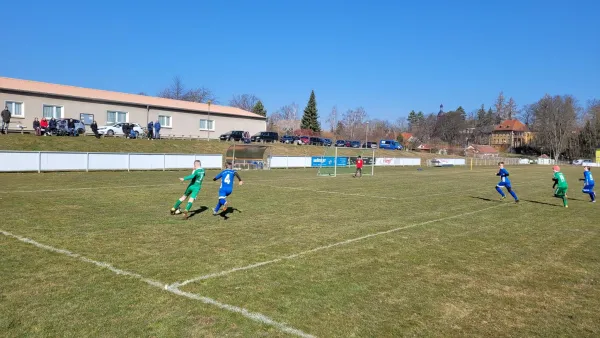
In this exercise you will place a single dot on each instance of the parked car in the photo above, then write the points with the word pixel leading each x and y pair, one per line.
pixel 581 161
pixel 304 139
pixel 370 145
pixel 315 141
pixel 354 144
pixel 389 144
pixel 234 135
pixel 348 144
pixel 265 137
pixel 289 139
pixel 117 129
pixel 62 125
pixel 327 142
pixel 340 143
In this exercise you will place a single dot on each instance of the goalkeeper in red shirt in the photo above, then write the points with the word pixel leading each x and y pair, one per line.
pixel 359 165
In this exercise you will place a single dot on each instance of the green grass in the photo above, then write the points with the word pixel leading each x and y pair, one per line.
pixel 461 262
pixel 117 144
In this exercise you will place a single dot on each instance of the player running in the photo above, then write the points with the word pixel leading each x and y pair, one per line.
pixel 227 177
pixel 191 191
pixel 560 180
pixel 359 165
pixel 505 182
pixel 588 183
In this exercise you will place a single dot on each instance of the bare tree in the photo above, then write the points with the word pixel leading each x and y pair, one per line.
pixel 555 121
pixel 354 119
pixel 511 110
pixel 527 115
pixel 499 108
pixel 200 94
pixel 244 101
pixel 177 91
pixel 332 119
pixel 288 118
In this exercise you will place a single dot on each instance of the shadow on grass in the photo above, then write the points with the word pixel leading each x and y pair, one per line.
pixel 197 211
pixel 486 199
pixel 225 214
pixel 543 203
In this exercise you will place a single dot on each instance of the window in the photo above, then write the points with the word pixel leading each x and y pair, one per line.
pixel 207 125
pixel 165 121
pixel 113 117
pixel 15 108
pixel 52 111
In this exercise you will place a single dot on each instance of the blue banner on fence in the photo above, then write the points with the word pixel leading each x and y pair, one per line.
pixel 328 161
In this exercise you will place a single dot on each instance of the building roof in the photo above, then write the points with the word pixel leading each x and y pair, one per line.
pixel 406 136
pixel 485 149
pixel 124 98
pixel 511 125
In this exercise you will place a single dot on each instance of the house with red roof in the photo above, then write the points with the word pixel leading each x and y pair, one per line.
pixel 510 134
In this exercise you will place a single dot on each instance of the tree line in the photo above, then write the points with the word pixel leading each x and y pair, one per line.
pixel 562 127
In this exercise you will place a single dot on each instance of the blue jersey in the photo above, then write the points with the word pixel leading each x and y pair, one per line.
pixel 503 173
pixel 588 178
pixel 227 176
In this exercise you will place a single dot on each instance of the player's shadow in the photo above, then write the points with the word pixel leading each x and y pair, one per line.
pixel 197 211
pixel 226 213
pixel 485 199
pixel 543 203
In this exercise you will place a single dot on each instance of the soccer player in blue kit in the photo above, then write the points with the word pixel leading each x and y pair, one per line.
pixel 505 182
pixel 588 183
pixel 227 177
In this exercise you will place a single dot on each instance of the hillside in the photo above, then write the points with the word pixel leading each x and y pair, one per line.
pixel 91 144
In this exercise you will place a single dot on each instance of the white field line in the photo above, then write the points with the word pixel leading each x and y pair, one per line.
pixel 254 316
pixel 329 246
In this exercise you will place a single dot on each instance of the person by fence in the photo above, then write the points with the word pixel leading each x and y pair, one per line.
pixel 5 120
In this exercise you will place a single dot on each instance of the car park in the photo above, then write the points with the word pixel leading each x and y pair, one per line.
pixel 265 137
pixel 234 135
pixel 340 143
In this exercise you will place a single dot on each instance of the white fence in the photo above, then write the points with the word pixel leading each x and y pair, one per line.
pixel 278 162
pixel 20 161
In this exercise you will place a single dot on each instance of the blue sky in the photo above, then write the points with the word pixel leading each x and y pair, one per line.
pixel 387 56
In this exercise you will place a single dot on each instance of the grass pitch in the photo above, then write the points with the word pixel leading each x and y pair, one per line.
pixel 403 253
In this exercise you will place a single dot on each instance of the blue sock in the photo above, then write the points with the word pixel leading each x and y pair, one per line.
pixel 593 196
pixel 499 190
pixel 512 193
pixel 218 205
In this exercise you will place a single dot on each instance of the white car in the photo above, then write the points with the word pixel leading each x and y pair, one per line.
pixel 117 129
pixel 581 162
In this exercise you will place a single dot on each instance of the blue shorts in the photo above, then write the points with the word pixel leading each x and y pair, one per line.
pixel 588 188
pixel 504 184
pixel 223 193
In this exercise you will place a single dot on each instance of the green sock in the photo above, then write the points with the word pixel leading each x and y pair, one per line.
pixel 564 201
pixel 177 204
pixel 188 206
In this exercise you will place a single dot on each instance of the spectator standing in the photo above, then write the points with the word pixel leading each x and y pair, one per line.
pixel 36 126
pixel 53 125
pixel 71 127
pixel 94 127
pixel 150 129
pixel 44 126
pixel 157 130
pixel 5 120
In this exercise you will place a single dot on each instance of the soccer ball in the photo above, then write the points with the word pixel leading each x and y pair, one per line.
pixel 177 212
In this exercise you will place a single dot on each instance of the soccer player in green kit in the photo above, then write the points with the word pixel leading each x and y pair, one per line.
pixel 560 180
pixel 192 190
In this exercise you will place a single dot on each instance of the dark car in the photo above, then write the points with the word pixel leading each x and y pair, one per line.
pixel 371 145
pixel 288 139
pixel 327 142
pixel 340 143
pixel 315 141
pixel 355 144
pixel 265 137
pixel 234 135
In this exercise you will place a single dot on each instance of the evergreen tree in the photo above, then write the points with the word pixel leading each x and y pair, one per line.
pixel 481 114
pixel 412 120
pixel 420 117
pixel 310 119
pixel 462 112
pixel 490 116
pixel 259 109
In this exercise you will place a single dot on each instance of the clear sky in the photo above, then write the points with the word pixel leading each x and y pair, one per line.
pixel 387 56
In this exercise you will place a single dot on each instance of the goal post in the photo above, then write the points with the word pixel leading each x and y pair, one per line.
pixel 341 161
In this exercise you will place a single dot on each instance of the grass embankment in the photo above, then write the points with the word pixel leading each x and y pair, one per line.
pixel 109 144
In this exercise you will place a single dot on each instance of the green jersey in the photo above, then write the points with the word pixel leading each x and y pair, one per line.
pixel 196 177
pixel 560 180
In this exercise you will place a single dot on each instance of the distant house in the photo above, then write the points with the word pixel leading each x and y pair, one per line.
pixel 476 150
pixel 408 137
pixel 426 148
pixel 511 134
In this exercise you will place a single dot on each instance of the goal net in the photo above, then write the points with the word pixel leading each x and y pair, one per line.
pixel 342 161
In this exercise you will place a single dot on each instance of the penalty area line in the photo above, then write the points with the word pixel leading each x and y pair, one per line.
pixel 324 247
pixel 254 316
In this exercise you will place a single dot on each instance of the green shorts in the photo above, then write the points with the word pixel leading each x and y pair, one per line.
pixel 560 191
pixel 192 191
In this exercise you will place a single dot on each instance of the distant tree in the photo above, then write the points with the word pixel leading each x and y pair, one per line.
pixel 449 127
pixel 245 101
pixel 332 119
pixel 142 93
pixel 412 119
pixel 288 118
pixel 259 109
pixel 461 111
pixel 511 110
pixel 339 129
pixel 177 91
pixel 354 119
pixel 500 108
pixel 555 121
pixel 400 139
pixel 310 119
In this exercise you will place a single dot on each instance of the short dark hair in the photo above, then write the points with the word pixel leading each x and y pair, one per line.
pixel 359 156
pixel 197 161
pixel 499 163
pixel 588 167
pixel 228 163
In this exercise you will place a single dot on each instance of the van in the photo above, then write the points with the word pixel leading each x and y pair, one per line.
pixel 390 144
